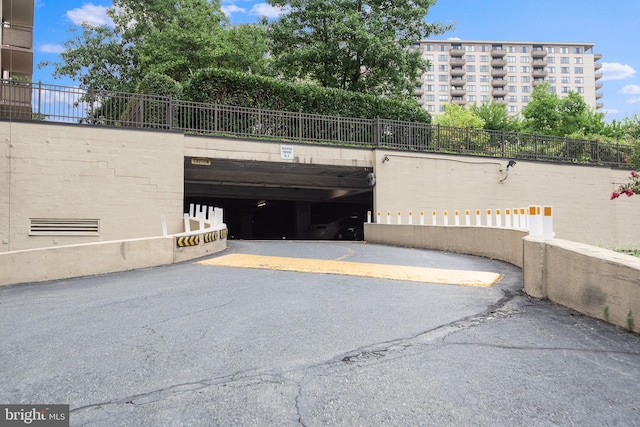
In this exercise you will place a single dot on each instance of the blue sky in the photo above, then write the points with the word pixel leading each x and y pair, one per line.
pixel 611 25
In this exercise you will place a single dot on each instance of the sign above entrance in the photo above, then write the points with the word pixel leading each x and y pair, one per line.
pixel 286 152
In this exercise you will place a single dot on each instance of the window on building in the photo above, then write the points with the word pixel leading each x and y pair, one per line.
pixel 484 78
pixel 428 56
pixel 551 49
pixel 579 80
pixel 566 89
pixel 511 69
pixel 484 98
pixel 443 67
pixel 551 59
pixel 429 77
pixel 471 58
pixel 484 68
pixel 565 80
pixel 524 59
pixel 471 98
pixel 511 59
pixel 526 98
pixel 484 58
pixel 577 50
pixel 484 88
pixel 471 78
pixel 442 48
pixel 512 98
pixel 443 77
pixel 441 108
pixel 470 48
pixel 484 48
pixel 552 89
pixel 443 98
pixel 578 70
pixel 430 97
pixel 512 79
pixel 564 70
pixel 551 79
pixel 471 88
pixel 511 49
pixel 578 60
pixel 443 88
pixel 524 49
pixel 428 47
pixel 430 67
pixel 512 88
pixel 564 50
pixel 429 88
pixel 431 108
pixel 579 89
pixel 513 108
pixel 525 89
pixel 551 69
pixel 525 79
pixel 525 69
pixel 443 58
pixel 564 59
pixel 471 68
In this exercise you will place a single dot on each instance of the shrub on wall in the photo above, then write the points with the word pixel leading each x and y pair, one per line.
pixel 246 90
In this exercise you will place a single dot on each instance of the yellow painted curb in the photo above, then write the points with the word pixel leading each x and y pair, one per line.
pixel 378 271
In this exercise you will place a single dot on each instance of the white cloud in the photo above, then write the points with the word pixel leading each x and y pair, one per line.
pixel 635 100
pixel 91 14
pixel 631 90
pixel 264 9
pixel 51 48
pixel 616 71
pixel 228 10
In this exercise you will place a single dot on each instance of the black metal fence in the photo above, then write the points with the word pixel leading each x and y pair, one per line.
pixel 37 101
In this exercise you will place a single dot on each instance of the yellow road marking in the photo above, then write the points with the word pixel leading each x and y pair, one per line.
pixel 378 271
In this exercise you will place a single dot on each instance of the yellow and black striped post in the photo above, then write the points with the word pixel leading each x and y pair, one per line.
pixel 183 242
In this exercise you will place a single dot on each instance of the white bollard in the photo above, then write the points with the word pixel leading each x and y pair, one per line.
pixel 421 217
pixel 534 221
pixel 388 217
pixel 507 218
pixel 547 223
pixel 378 218
pixel 516 218
pixel 433 218
pixel 445 217
pixel 489 222
pixel 163 220
pixel 410 218
pixel 467 218
pixel 457 218
pixel 498 218
pixel 478 218
pixel 523 219
pixel 191 210
pixel 368 217
pixel 399 217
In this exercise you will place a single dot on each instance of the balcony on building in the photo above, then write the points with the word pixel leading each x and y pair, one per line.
pixel 539 63
pixel 498 72
pixel 498 62
pixel 459 100
pixel 598 86
pixel 498 51
pixel 597 66
pixel 457 71
pixel 498 92
pixel 457 62
pixel 539 72
pixel 456 51
pixel 499 100
pixel 597 76
pixel 597 57
pixel 536 82
pixel 598 95
pixel 599 105
pixel 458 91
pixel 538 52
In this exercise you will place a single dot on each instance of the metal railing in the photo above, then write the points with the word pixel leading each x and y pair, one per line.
pixel 120 109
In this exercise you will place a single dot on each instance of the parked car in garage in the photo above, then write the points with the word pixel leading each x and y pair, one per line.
pixel 346 228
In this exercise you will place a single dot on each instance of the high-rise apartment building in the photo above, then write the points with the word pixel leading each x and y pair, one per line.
pixel 476 72
pixel 16 56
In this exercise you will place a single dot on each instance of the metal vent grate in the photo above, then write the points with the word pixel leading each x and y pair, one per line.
pixel 64 227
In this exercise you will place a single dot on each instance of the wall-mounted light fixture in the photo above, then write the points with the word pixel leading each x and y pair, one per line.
pixel 262 203
pixel 511 164
pixel 385 159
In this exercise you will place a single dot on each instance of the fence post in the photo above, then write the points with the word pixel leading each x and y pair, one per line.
pixel 438 136
pixel 376 132
pixel 503 146
pixel 567 147
pixel 39 97
pixel 170 113
pixel 617 154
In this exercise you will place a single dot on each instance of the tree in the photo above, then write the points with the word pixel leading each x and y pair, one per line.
pixel 495 116
pixel 360 46
pixel 541 114
pixel 457 116
pixel 172 37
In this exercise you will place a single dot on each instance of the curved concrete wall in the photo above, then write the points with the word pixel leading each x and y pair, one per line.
pixel 597 282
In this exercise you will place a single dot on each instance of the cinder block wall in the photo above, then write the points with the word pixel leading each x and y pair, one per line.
pixel 582 211
pixel 125 178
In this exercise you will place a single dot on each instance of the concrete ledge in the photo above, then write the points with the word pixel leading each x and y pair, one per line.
pixel 38 265
pixel 597 282
pixel 490 242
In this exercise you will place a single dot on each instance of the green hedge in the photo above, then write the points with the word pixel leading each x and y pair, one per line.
pixel 246 90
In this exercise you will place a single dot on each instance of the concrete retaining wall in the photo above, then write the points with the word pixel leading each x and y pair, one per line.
pixel 62 262
pixel 597 282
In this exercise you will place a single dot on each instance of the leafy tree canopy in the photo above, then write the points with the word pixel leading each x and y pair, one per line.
pixel 361 46
pixel 457 116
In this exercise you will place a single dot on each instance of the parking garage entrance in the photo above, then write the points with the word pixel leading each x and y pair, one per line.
pixel 275 200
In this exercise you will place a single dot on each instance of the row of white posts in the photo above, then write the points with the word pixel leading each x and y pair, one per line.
pixel 207 216
pixel 538 220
